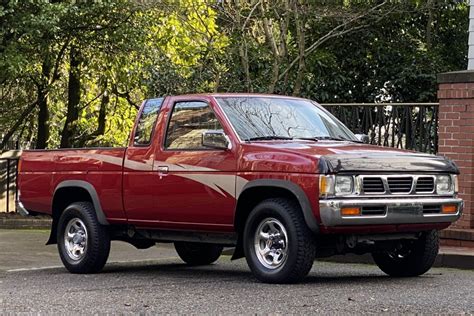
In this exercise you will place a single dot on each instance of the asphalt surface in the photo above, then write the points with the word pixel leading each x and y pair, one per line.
pixel 156 281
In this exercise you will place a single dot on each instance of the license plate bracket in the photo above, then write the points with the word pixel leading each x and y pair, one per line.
pixel 407 209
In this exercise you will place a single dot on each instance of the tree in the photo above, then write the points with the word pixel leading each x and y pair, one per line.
pixel 73 74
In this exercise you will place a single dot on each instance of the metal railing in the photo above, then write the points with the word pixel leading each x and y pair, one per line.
pixel 8 184
pixel 401 125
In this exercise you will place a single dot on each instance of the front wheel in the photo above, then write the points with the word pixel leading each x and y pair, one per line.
pixel 410 258
pixel 83 243
pixel 197 254
pixel 278 245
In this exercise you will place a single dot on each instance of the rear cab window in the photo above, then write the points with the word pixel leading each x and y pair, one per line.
pixel 146 122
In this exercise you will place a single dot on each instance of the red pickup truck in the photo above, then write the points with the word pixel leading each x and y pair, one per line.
pixel 278 178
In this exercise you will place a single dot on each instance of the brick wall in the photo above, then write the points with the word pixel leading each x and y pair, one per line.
pixel 456 134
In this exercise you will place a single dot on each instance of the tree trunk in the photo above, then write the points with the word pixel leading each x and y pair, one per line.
pixel 42 102
pixel 429 24
pixel 15 126
pixel 268 28
pixel 284 25
pixel 102 114
pixel 74 98
pixel 301 50
pixel 243 49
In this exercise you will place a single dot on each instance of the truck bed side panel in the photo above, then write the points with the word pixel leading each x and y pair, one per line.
pixel 102 168
pixel 35 180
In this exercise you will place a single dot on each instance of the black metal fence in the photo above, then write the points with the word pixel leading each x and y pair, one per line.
pixel 8 184
pixel 400 125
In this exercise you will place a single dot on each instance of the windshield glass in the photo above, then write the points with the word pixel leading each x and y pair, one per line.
pixel 278 118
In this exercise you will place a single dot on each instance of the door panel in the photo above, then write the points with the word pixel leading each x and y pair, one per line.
pixel 139 185
pixel 199 189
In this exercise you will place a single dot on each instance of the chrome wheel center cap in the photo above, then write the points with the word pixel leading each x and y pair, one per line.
pixel 270 243
pixel 75 239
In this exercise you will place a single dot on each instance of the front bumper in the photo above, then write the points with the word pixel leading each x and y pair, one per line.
pixel 398 211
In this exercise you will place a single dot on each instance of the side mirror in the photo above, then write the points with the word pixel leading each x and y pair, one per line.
pixel 215 139
pixel 363 138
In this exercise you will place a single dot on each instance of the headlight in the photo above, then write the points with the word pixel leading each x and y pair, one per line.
pixel 343 185
pixel 335 185
pixel 444 184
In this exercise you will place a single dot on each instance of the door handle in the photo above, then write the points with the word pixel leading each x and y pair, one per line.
pixel 162 169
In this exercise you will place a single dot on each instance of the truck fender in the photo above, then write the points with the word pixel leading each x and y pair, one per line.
pixel 296 190
pixel 93 194
pixel 95 201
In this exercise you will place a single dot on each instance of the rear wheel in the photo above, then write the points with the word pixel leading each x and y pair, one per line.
pixel 278 245
pixel 194 253
pixel 83 243
pixel 410 258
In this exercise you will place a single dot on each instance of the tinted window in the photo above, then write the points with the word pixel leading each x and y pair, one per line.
pixel 188 121
pixel 147 121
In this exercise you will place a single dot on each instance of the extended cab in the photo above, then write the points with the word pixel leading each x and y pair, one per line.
pixel 278 178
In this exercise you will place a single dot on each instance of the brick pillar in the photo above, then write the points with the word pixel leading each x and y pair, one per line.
pixel 456 134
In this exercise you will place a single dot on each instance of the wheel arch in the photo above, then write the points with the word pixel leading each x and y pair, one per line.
pixel 264 185
pixel 71 191
pixel 257 190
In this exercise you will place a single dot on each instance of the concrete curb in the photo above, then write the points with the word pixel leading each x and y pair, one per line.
pixel 25 223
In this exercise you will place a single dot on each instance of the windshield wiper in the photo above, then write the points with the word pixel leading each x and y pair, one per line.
pixel 269 137
pixel 316 138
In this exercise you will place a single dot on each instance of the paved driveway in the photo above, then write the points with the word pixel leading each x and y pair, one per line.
pixel 154 280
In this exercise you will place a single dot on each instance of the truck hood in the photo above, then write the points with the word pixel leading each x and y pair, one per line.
pixel 339 157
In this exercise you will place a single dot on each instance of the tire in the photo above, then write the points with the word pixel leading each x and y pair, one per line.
pixel 198 254
pixel 87 248
pixel 413 258
pixel 285 251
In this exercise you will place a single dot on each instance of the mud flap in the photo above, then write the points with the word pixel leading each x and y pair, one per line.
pixel 53 235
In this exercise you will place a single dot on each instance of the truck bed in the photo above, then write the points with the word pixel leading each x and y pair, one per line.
pixel 101 167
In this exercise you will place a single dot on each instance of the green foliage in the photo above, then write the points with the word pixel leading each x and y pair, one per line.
pixel 129 50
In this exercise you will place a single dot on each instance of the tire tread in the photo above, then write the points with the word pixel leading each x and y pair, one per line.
pixel 98 239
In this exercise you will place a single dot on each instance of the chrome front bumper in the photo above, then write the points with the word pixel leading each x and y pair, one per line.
pixel 398 211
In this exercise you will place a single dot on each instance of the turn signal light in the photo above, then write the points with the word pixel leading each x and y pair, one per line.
pixel 449 208
pixel 350 211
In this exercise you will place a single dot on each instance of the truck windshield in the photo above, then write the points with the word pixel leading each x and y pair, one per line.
pixel 267 118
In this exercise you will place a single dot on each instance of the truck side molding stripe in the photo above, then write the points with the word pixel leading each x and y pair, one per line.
pixel 224 184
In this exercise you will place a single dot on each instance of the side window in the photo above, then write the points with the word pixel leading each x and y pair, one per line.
pixel 146 122
pixel 188 121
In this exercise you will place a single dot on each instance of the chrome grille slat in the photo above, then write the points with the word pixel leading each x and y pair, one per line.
pixel 399 184
pixel 425 184
pixel 373 185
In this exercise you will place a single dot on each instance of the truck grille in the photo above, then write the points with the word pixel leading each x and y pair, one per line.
pixel 400 185
pixel 373 185
pixel 431 209
pixel 374 210
pixel 425 185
